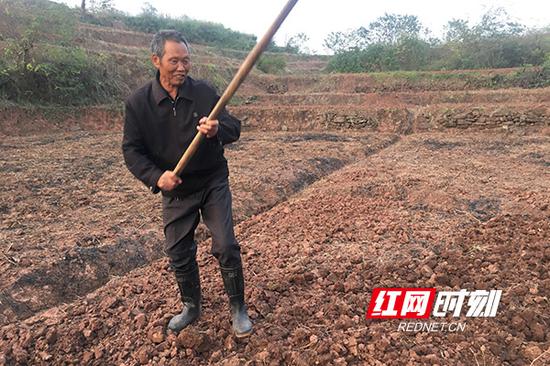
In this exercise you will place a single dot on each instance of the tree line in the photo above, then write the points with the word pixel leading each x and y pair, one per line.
pixel 149 20
pixel 401 42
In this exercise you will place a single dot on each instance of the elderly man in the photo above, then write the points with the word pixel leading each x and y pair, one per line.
pixel 161 120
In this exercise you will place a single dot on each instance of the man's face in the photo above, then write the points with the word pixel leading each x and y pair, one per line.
pixel 174 64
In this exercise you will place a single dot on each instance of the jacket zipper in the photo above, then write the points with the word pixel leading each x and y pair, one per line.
pixel 175 104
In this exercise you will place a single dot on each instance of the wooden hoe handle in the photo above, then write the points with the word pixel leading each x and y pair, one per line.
pixel 239 77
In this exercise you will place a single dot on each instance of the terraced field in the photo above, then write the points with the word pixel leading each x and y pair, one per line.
pixel 341 184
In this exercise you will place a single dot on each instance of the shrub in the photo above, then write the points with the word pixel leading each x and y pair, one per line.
pixel 375 58
pixel 195 31
pixel 532 77
pixel 351 61
pixel 59 75
pixel 272 64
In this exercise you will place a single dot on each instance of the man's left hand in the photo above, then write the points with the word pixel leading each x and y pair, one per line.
pixel 208 127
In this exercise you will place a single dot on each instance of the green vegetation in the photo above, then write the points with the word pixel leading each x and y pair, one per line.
pixel 59 75
pixel 195 31
pixel 526 77
pixel 39 66
pixel 272 64
pixel 37 19
pixel 149 21
pixel 218 77
pixel 400 42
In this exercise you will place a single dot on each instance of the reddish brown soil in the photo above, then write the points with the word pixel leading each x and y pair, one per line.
pixel 447 210
pixel 73 216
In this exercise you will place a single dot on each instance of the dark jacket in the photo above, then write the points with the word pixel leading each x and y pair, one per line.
pixel 158 130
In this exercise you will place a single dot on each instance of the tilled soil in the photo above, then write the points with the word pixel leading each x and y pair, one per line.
pixel 448 211
pixel 73 216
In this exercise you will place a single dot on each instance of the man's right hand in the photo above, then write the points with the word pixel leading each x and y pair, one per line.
pixel 168 181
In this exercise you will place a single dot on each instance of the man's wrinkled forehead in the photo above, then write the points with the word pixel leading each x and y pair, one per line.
pixel 175 49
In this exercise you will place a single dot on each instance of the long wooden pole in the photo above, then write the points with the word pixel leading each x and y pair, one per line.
pixel 239 77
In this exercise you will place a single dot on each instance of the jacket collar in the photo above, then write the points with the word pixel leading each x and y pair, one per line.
pixel 185 90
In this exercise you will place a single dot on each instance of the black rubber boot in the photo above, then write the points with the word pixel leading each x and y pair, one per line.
pixel 190 291
pixel 233 281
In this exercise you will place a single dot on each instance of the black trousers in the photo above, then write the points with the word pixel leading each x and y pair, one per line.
pixel 181 218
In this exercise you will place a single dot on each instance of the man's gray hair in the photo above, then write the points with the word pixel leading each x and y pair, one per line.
pixel 160 38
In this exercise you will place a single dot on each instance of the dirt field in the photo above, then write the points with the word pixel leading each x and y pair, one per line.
pixel 73 191
pixel 453 210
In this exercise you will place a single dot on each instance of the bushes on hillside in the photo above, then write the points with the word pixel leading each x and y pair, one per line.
pixel 59 75
pixel 45 20
pixel 195 31
pixel 272 64
pixel 532 77
pixel 400 42
pixel 40 65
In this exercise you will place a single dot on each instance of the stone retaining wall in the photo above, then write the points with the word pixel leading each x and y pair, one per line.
pixel 26 120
